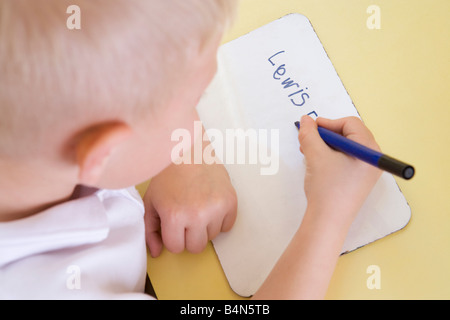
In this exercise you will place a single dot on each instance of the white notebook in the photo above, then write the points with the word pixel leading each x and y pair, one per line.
pixel 266 81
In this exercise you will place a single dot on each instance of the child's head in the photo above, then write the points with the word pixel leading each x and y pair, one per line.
pixel 101 98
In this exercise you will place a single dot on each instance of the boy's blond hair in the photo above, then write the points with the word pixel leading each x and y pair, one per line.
pixel 123 61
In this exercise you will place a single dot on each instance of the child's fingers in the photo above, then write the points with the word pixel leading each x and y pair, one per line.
pixel 152 230
pixel 229 219
pixel 350 127
pixel 336 125
pixel 345 126
pixel 196 239
pixel 154 244
pixel 173 232
pixel 310 141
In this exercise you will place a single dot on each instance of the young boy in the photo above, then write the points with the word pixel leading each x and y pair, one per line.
pixel 87 113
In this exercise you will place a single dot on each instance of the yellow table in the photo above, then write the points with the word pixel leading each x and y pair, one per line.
pixel 398 77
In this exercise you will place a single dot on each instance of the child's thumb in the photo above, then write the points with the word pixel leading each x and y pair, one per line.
pixel 310 141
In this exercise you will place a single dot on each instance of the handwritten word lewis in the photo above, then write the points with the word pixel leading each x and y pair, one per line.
pixel 300 95
pixel 296 94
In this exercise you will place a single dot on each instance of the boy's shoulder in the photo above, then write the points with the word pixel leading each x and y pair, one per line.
pixel 92 234
pixel 83 220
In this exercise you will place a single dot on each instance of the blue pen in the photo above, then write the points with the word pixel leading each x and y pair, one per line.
pixel 375 158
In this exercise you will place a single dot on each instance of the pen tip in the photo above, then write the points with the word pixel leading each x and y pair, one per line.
pixel 297 124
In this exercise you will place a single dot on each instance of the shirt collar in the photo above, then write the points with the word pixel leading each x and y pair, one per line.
pixel 73 223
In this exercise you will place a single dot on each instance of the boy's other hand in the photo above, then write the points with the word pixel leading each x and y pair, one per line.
pixel 187 205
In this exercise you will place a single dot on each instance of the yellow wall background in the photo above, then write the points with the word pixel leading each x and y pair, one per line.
pixel 399 80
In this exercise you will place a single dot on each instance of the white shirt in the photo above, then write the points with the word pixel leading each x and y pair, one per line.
pixel 89 248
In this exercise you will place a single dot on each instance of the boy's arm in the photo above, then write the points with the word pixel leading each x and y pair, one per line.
pixel 187 205
pixel 336 186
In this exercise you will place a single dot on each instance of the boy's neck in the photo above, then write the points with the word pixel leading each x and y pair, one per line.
pixel 11 212
pixel 28 190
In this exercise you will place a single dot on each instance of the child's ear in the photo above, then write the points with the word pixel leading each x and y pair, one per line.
pixel 94 148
